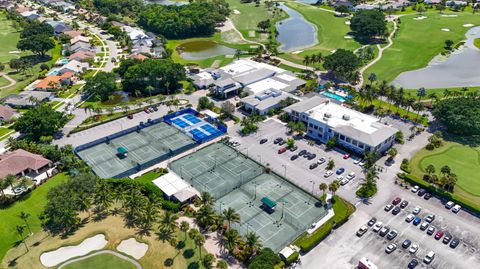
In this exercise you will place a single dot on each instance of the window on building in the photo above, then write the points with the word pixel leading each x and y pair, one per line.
pixel 354 142
pixel 348 140
pixel 310 125
pixel 342 137
pixel 319 135
pixel 310 131
pixel 368 148
pixel 361 145
pixel 315 127
pixel 330 131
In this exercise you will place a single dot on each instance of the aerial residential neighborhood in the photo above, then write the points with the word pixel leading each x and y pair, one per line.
pixel 239 134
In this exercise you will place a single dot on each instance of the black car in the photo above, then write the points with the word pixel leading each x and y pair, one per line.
pixel 454 243
pixel 311 156
pixel 306 155
pixel 294 157
pixel 277 140
pixel 263 141
pixel 421 192
pixel 392 234
pixel 406 243
pixel 384 231
pixel 282 142
pixel 313 165
pixel 155 108
pixel 404 204
pixel 396 210
pixel 427 196
pixel 372 221
pixel 447 238
pixel 412 264
pixel 302 152
pixel 293 148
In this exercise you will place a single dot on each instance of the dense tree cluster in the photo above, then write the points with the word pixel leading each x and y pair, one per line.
pixel 265 259
pixel 369 24
pixel 151 76
pixel 124 7
pixel 101 86
pixel 36 37
pixel 40 122
pixel 459 115
pixel 343 64
pixel 196 19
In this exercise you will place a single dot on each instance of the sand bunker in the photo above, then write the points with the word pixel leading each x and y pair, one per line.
pixel 133 248
pixel 347 22
pixel 468 25
pixel 445 29
pixel 420 18
pixel 55 257
pixel 236 12
pixel 297 52
pixel 449 16
pixel 14 52
pixel 348 37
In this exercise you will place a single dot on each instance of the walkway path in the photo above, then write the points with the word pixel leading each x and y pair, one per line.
pixel 11 80
pixel 229 25
pixel 134 262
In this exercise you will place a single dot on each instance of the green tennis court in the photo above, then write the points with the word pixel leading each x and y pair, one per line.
pixel 150 143
pixel 238 182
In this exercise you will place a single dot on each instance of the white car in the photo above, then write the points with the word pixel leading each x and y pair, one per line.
pixel 357 161
pixel 377 226
pixel 449 205
pixel 456 209
pixel 417 210
pixel 415 188
pixel 429 257
pixel 351 176
pixel 391 248
pixel 362 163
pixel 343 181
pixel 328 173
pixel 410 218
pixel 362 230
pixel 321 160
pixel 413 249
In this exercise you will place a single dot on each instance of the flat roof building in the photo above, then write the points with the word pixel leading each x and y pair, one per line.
pixel 354 130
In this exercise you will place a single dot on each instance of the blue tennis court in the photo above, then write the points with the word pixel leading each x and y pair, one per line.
pixel 210 129
pixel 189 117
pixel 180 123
pixel 197 134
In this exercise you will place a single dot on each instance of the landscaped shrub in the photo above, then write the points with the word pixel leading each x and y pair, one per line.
pixel 293 258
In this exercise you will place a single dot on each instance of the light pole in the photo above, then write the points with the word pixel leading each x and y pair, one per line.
pixel 285 171
pixel 221 203
pixel 260 157
pixel 313 185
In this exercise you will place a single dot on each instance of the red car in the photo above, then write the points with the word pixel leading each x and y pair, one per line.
pixel 282 150
pixel 439 235
pixel 396 201
pixel 346 156
pixel 146 110
pixel 130 116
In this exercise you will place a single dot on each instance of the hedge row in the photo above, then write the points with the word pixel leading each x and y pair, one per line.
pixel 438 191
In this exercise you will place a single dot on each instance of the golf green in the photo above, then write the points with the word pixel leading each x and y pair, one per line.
pixel 101 261
pixel 463 161
pixel 9 37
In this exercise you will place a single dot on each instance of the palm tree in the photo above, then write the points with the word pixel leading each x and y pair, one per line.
pixel 20 229
pixel 198 239
pixel 149 214
pixel 2 186
pixel 184 227
pixel 253 242
pixel 168 219
pixel 9 182
pixel 24 216
pixel 421 93
pixel 447 93
pixel 103 197
pixel 372 77
pixel 88 109
pixel 333 187
pixel 231 239
pixel 370 180
pixel 323 187
pixel 205 215
pixel 165 234
pixel 306 60
pixel 230 216
pixel 207 199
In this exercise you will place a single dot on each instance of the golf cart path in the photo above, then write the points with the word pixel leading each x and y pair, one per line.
pixel 11 80
pixel 134 262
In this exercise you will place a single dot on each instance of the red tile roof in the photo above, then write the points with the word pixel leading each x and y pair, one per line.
pixel 46 82
pixel 13 163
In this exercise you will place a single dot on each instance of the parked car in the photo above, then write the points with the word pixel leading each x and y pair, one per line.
pixel 430 218
pixel 406 243
pixel 417 210
pixel 321 160
pixel 356 161
pixel 328 173
pixel 146 110
pixel 427 196
pixel 410 218
pixel 447 238
pixel 362 231
pixel 343 181
pixel 311 156
pixel 282 150
pixel 456 209
pixel 415 188
pixel 19 190
pixel 412 264
pixel 294 157
pixel 392 234
pixel 454 243
pixel 351 176
pixel 130 116
pixel 384 231
pixel 424 226
pixel 313 166
pixel 263 140
pixel 361 163
pixel 396 210
pixel 372 221
pixel 431 230
pixel 449 205
pixel 417 221
pixel 396 200
pixel 413 249
pixel 439 235
pixel 346 156
pixel 155 108
pixel 293 148
pixel 377 226
pixel 340 171
pixel 302 152
pixel 277 140
pixel 429 257
pixel 421 192
pixel 391 248
pixel 404 204
pixel 282 142
pixel 388 207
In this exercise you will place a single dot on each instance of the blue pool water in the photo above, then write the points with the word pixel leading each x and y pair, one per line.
pixel 336 96
pixel 52 72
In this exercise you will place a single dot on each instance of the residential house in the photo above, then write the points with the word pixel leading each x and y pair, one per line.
pixel 21 8
pixel 432 2
pixel 22 163
pixel 27 99
pixel 52 83
pixel 352 129
pixel 73 66
pixel 81 46
pixel 63 6
pixel 80 38
pixel 82 56
pixel 73 33
pixel 137 56
pixel 58 26
pixel 30 15
pixel 7 113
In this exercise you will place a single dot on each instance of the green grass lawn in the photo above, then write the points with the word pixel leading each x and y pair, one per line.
pixel 9 37
pixel 476 42
pixel 3 82
pixel 440 91
pixel 418 41
pixel 101 261
pixel 33 204
pixel 4 131
pixel 462 159
pixel 331 31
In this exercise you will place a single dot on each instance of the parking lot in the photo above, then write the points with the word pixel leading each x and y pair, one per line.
pixel 298 170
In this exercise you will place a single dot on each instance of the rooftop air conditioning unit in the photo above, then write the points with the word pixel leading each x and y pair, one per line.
pixel 327 115
pixel 346 117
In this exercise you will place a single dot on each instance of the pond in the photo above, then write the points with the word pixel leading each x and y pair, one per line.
pixel 310 2
pixel 119 97
pixel 460 69
pixel 199 50
pixel 167 2
pixel 295 32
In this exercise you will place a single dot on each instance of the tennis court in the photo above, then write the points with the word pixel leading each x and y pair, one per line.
pixel 156 142
pixel 238 182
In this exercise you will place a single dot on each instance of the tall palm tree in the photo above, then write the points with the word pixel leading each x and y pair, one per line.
pixel 333 187
pixel 421 93
pixel 323 187
pixel 253 242
pixel 103 197
pixel 197 238
pixel 447 93
pixel 165 234
pixel 231 239
pixel 372 77
pixel 9 179
pixel 205 215
pixel 24 216
pixel 149 214
pixel 184 227
pixel 168 219
pixel 230 216
pixel 20 229
pixel 206 198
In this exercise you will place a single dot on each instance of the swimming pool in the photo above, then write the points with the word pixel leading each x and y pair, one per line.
pixel 336 96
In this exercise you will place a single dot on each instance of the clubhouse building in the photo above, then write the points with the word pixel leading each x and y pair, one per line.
pixel 352 129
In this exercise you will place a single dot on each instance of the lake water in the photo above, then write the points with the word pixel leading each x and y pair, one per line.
pixel 310 2
pixel 295 32
pixel 198 50
pixel 460 69
pixel 167 2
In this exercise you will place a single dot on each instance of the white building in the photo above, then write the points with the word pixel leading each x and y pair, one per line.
pixel 354 130
pixel 263 102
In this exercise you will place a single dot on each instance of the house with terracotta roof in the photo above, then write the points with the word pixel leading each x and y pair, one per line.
pixel 82 56
pixel 73 33
pixel 7 113
pixel 137 56
pixel 21 9
pixel 22 163
pixel 52 83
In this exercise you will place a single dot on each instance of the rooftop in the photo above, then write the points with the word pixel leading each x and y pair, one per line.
pixel 6 112
pixel 13 163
